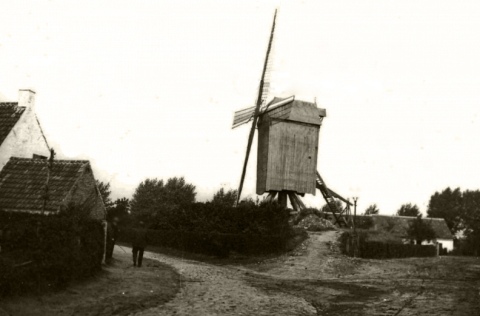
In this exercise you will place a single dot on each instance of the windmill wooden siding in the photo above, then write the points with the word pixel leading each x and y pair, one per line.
pixel 288 148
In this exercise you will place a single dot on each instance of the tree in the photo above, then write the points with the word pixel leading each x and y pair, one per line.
pixel 409 210
pixel 104 189
pixel 419 230
pixel 120 208
pixel 471 220
pixel 154 200
pixel 226 199
pixel 448 205
pixel 372 210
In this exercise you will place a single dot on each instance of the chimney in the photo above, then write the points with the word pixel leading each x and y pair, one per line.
pixel 26 98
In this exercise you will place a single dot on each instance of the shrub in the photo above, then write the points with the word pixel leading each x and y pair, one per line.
pixel 218 229
pixel 382 250
pixel 47 251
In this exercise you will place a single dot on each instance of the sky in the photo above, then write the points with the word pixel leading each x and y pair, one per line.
pixel 147 89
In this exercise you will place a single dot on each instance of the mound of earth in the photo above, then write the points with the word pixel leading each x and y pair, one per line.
pixel 314 223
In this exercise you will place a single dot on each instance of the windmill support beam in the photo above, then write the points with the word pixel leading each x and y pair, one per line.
pixel 271 196
pixel 292 196
pixel 282 198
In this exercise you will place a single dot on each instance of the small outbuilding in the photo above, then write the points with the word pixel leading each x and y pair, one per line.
pixel 23 184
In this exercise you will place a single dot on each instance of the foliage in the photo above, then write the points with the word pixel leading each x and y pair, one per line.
pixel 363 222
pixel 461 211
pixel 214 229
pixel 419 230
pixel 226 199
pixel 154 200
pixel 447 205
pixel 471 221
pixel 120 208
pixel 381 250
pixel 372 210
pixel 41 252
pixel 104 189
pixel 408 210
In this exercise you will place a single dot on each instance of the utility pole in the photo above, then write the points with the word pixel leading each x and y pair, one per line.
pixel 47 183
pixel 355 243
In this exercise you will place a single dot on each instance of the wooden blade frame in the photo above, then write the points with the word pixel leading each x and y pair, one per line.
pixel 257 108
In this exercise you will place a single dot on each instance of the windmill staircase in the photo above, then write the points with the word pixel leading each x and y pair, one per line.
pixel 329 197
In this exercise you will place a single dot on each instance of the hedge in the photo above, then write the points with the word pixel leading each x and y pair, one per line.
pixel 381 250
pixel 219 244
pixel 218 230
pixel 40 252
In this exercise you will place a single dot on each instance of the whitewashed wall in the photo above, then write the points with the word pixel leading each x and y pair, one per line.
pixel 26 138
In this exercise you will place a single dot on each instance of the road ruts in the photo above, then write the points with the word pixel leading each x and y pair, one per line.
pixel 216 290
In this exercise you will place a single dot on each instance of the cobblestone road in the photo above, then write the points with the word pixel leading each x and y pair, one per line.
pixel 216 290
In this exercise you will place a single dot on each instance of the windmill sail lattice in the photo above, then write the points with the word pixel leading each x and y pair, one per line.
pixel 260 100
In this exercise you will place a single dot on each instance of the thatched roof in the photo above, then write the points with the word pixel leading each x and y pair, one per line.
pixel 398 225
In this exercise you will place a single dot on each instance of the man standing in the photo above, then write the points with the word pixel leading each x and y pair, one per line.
pixel 139 244
pixel 112 235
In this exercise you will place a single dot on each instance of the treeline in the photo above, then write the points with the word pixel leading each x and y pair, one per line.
pixel 175 219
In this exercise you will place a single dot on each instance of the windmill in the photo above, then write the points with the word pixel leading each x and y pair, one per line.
pixel 288 133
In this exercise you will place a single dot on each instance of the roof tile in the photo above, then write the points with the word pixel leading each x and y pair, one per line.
pixel 10 113
pixel 22 183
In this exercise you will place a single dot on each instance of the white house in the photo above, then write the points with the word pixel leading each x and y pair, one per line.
pixel 20 131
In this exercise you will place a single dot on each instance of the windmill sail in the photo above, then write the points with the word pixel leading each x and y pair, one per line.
pixel 260 100
pixel 243 116
pixel 246 115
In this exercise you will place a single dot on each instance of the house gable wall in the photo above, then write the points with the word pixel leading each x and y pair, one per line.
pixel 25 139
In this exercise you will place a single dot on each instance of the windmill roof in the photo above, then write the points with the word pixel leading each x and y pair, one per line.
pixel 22 183
pixel 10 113
pixel 295 110
pixel 398 225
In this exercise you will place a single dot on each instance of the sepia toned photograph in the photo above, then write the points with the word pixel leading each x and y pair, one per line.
pixel 191 158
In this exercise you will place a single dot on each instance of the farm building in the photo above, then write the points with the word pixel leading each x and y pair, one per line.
pixel 71 182
pixel 398 226
pixel 20 131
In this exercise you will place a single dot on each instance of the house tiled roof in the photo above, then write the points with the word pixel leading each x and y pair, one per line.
pixel 22 183
pixel 398 225
pixel 10 113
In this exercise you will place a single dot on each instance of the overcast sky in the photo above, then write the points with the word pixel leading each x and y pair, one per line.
pixel 148 88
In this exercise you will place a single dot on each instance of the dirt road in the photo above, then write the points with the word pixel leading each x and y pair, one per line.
pixel 315 280
pixel 336 285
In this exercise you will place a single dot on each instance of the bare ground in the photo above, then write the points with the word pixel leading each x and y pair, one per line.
pixel 314 280
pixel 336 285
pixel 119 289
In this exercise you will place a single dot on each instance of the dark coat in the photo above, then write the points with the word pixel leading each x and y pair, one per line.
pixel 112 233
pixel 140 238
